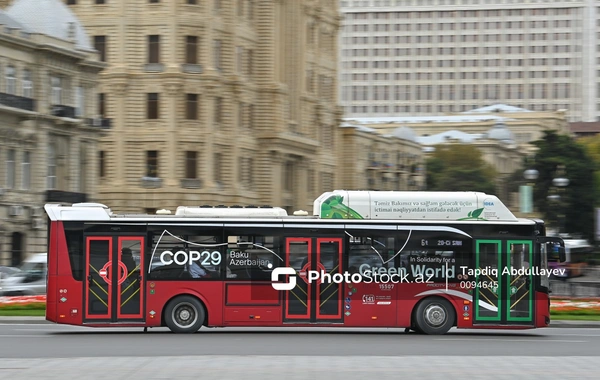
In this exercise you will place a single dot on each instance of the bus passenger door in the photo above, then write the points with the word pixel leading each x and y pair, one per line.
pixel 113 289
pixel 503 292
pixel 313 300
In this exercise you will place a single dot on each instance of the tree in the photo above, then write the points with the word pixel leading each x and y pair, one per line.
pixel 577 199
pixel 592 147
pixel 459 167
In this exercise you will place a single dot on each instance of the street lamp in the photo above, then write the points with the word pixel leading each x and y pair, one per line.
pixel 531 174
pixel 560 182
pixel 526 191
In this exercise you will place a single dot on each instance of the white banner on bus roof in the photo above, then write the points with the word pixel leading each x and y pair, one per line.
pixel 411 205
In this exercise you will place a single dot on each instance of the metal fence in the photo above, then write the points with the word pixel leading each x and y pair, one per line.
pixel 587 285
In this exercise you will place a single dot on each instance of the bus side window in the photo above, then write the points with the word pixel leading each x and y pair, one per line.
pixel 252 257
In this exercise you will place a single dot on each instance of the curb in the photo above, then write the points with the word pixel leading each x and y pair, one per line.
pixel 575 324
pixel 24 320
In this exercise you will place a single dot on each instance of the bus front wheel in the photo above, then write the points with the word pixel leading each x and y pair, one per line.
pixel 434 316
pixel 184 314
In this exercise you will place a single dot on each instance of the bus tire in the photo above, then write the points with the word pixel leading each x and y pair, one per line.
pixel 185 314
pixel 435 316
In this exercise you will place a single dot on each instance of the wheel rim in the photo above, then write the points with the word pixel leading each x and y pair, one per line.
pixel 184 315
pixel 435 315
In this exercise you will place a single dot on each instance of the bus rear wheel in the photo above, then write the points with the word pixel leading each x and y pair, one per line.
pixel 184 314
pixel 434 316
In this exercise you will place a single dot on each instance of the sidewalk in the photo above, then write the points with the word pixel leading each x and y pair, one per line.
pixel 554 323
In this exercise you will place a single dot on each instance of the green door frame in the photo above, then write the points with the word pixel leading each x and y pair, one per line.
pixel 528 284
pixel 476 295
pixel 505 281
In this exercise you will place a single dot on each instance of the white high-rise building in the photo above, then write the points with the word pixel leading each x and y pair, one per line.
pixel 431 57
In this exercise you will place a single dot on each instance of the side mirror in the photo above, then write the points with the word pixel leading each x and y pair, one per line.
pixel 562 256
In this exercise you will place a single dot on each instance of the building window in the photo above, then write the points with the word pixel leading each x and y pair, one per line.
pixel 154 1
pixel 100 2
pixel 100 45
pixel 56 90
pixel 246 167
pixel 191 50
pixel 250 9
pixel 192 2
pixel 10 169
pixel 250 116
pixel 218 110
pixel 102 164
pixel 80 101
pixel 153 49
pixel 191 109
pixel 217 54
pixel 152 163
pixel 102 104
pixel 11 81
pixel 152 111
pixel 26 171
pixel 241 109
pixel 217 168
pixel 83 168
pixel 249 62
pixel 51 177
pixel 71 2
pixel 239 58
pixel 191 164
pixel 27 84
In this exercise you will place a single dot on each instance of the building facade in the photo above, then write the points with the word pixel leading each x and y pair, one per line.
pixel 381 161
pixel 525 126
pixel 47 138
pixel 431 57
pixel 216 102
pixel 503 134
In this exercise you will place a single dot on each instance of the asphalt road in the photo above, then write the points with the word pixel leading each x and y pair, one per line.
pixel 47 351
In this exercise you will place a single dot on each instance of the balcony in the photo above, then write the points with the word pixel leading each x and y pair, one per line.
pixel 191 68
pixel 154 67
pixel 99 122
pixel 151 182
pixel 63 111
pixel 191 183
pixel 15 101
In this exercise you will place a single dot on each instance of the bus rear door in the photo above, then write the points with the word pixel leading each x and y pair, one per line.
pixel 114 283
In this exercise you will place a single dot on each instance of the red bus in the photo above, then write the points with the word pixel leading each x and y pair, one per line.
pixel 423 261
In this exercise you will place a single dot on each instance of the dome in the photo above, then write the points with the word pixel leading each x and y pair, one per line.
pixel 500 132
pixel 405 133
pixel 50 17
pixel 10 22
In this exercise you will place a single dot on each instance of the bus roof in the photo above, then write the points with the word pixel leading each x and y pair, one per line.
pixel 340 204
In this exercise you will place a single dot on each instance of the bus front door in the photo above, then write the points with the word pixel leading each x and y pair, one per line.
pixel 314 300
pixel 113 288
pixel 503 289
